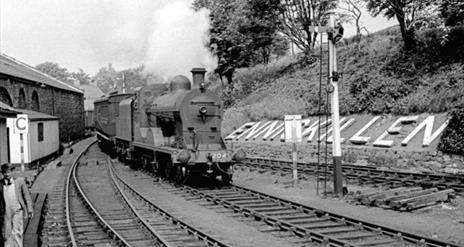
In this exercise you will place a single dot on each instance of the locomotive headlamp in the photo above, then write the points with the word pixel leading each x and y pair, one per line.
pixel 183 156
pixel 239 155
pixel 203 110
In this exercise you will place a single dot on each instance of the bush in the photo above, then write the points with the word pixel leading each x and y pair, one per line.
pixel 440 46
pixel 452 140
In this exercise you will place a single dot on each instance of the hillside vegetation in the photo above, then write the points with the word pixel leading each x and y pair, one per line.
pixel 378 77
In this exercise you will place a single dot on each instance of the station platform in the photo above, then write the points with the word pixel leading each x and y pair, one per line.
pixel 44 186
pixel 48 178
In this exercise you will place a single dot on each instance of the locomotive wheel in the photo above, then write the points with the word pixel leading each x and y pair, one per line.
pixel 226 179
pixel 182 174
pixel 155 168
pixel 168 170
pixel 179 175
pixel 134 162
pixel 113 153
pixel 145 163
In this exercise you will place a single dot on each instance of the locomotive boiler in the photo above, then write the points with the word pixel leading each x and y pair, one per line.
pixel 174 130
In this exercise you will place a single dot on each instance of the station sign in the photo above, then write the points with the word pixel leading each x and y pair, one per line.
pixel 293 132
pixel 21 124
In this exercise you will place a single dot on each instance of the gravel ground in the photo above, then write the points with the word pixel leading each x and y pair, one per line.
pixel 444 222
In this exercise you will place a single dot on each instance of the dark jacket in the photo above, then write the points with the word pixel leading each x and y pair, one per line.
pixel 24 198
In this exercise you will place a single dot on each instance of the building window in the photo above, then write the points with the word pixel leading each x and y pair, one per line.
pixel 35 106
pixel 22 99
pixel 5 96
pixel 40 132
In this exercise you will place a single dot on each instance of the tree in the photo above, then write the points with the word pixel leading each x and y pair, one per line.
pixel 261 25
pixel 132 78
pixel 109 79
pixel 225 40
pixel 106 79
pixel 242 33
pixel 409 14
pixel 82 77
pixel 298 15
pixel 353 13
pixel 56 71
pixel 452 12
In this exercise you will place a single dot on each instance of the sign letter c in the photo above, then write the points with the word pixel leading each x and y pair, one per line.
pixel 21 123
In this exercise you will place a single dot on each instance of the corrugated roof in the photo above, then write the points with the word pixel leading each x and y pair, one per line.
pixel 13 67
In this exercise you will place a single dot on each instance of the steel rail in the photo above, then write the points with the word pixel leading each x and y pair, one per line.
pixel 442 181
pixel 101 220
pixel 411 237
pixel 195 232
pixel 147 225
pixel 68 197
pixel 312 234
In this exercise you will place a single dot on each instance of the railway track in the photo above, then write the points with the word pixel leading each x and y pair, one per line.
pixel 311 224
pixel 115 214
pixel 363 174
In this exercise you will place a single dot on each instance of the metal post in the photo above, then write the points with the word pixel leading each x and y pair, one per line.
pixel 123 83
pixel 336 145
pixel 21 140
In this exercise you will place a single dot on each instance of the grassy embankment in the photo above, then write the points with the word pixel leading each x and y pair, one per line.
pixel 377 77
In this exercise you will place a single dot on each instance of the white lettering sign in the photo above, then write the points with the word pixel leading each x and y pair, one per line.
pixel 270 130
pixel 428 136
pixel 358 139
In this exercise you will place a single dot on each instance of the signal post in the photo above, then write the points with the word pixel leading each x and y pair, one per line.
pixel 334 34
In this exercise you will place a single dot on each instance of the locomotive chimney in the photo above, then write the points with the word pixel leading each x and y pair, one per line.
pixel 198 75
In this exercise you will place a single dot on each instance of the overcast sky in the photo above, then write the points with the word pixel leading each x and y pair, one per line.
pixel 165 35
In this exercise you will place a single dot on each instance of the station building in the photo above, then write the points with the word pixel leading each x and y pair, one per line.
pixel 91 93
pixel 24 87
pixel 5 113
pixel 39 143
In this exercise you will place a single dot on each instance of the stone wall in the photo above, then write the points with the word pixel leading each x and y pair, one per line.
pixel 68 106
pixel 425 161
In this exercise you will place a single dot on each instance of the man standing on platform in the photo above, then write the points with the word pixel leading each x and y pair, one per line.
pixel 15 203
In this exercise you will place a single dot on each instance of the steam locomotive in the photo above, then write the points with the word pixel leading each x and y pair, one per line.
pixel 174 132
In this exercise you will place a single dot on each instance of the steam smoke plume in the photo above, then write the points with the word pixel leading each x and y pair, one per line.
pixel 167 36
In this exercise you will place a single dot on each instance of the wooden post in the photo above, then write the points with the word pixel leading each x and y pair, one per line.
pixel 294 155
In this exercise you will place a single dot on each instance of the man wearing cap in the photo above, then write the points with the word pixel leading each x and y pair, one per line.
pixel 15 203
